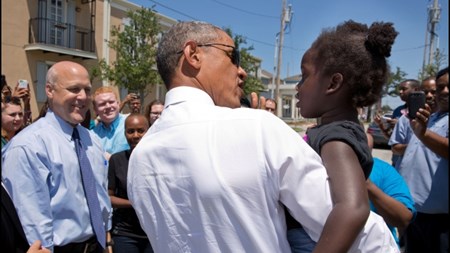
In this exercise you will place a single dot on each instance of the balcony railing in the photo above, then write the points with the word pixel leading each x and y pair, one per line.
pixel 51 32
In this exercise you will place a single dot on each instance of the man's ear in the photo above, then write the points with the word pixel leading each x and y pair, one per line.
pixel 49 90
pixel 191 54
pixel 336 82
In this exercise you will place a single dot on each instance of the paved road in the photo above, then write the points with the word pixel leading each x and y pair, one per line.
pixel 384 154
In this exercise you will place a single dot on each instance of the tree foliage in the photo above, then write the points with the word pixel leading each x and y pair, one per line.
pixel 135 46
pixel 391 87
pixel 249 63
pixel 432 69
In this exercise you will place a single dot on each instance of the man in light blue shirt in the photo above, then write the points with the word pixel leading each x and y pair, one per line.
pixel 41 170
pixel 425 169
pixel 111 128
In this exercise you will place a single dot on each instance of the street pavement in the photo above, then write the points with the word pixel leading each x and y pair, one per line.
pixel 384 154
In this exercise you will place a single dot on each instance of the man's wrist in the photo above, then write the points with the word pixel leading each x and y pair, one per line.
pixel 109 243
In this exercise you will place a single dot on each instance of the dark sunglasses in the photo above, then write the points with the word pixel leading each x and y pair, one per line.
pixel 234 55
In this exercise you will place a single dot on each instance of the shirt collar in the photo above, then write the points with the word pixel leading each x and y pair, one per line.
pixel 437 115
pixel 185 93
pixel 55 120
pixel 113 124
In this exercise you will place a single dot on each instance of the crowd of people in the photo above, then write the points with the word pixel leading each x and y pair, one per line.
pixel 206 171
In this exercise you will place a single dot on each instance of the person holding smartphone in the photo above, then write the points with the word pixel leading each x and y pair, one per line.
pixel 21 92
pixel 425 169
pixel 401 133
pixel 134 103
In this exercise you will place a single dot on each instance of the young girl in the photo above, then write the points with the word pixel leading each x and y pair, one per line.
pixel 344 69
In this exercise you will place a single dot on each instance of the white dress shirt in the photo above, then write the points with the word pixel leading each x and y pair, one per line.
pixel 212 179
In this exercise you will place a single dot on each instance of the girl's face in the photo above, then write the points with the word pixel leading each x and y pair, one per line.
pixel 12 118
pixel 311 88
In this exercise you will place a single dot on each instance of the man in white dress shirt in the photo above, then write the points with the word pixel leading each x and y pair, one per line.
pixel 210 176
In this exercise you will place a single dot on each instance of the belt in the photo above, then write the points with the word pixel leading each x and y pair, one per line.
pixel 89 246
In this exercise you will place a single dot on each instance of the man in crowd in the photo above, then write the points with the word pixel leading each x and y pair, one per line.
pixel 212 177
pixel 134 103
pixel 111 128
pixel 401 134
pixel 271 106
pixel 43 170
pixel 425 169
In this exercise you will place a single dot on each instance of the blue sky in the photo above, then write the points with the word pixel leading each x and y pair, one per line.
pixel 259 22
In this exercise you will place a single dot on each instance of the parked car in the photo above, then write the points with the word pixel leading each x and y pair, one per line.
pixel 379 138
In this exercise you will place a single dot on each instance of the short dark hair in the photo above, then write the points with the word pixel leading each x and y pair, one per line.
pixel 173 41
pixel 442 72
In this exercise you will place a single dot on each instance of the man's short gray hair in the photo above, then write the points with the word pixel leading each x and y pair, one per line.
pixel 173 42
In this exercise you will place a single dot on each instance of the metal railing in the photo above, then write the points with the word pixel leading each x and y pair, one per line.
pixel 48 31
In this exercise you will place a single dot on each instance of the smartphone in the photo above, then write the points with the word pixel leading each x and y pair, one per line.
pixel 23 84
pixel 416 100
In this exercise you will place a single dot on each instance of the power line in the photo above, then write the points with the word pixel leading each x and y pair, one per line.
pixel 179 12
pixel 190 17
pixel 245 11
pixel 409 49
pixel 258 41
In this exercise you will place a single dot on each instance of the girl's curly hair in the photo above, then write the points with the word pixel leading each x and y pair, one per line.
pixel 359 53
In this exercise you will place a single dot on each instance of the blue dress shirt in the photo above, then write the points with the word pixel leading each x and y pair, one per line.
pixel 42 174
pixel 113 137
pixel 425 172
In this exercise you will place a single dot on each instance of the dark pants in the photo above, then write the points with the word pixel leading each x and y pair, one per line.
pixel 127 244
pixel 89 246
pixel 428 233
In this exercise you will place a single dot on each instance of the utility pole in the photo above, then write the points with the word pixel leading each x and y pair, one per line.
pixel 285 19
pixel 434 14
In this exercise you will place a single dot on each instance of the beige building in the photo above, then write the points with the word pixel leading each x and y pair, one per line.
pixel 38 33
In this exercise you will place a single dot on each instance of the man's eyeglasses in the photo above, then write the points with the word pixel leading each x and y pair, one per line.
pixel 234 55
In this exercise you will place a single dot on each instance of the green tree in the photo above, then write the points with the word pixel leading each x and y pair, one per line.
pixel 249 63
pixel 135 45
pixel 395 78
pixel 389 89
pixel 432 69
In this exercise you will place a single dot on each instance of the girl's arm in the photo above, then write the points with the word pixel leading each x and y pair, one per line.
pixel 350 198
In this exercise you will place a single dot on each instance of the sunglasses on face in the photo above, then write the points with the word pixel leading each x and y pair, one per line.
pixel 234 55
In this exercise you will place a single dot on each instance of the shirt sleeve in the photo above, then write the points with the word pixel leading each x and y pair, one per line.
pixel 393 184
pixel 303 181
pixel 400 132
pixel 345 131
pixel 26 177
pixel 112 173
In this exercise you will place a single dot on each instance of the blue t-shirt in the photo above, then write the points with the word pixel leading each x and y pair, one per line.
pixel 113 137
pixel 386 177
